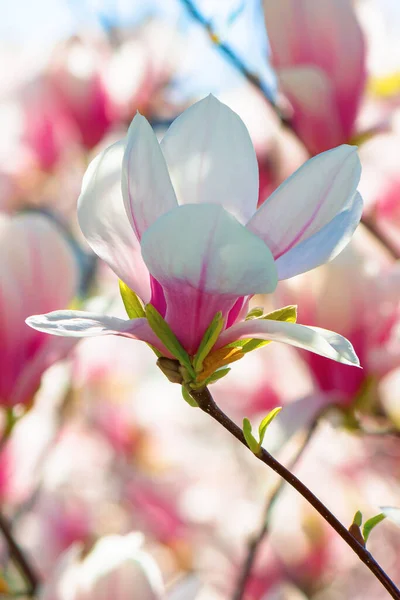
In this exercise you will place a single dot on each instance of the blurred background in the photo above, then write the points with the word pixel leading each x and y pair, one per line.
pixel 110 484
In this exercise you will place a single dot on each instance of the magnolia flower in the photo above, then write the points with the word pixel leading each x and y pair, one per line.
pixel 177 222
pixel 116 567
pixel 31 250
pixel 319 53
pixel 357 293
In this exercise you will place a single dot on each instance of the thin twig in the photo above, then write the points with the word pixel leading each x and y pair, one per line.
pixel 233 58
pixel 370 224
pixel 206 402
pixel 256 540
pixel 19 557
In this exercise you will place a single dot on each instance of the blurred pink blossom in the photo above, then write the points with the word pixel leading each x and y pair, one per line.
pixel 76 80
pixel 117 567
pixel 32 250
pixel 319 52
pixel 357 294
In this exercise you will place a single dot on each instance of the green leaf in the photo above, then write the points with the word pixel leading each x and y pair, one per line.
pixel 208 341
pixel 371 523
pixel 217 375
pixel 168 338
pixel 250 439
pixel 287 313
pixel 266 422
pixel 188 398
pixel 254 313
pixel 133 306
pixel 392 513
pixel 357 520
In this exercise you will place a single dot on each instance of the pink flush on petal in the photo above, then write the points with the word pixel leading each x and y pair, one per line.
pixel 183 214
pixel 326 37
pixel 31 251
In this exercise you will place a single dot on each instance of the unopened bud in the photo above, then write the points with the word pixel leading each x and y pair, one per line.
pixel 171 369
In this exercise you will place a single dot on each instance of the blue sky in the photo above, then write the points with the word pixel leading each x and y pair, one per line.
pixel 39 24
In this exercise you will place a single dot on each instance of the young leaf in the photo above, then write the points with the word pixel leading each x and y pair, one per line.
pixel 208 341
pixel 254 313
pixel 370 524
pixel 357 520
pixel 250 439
pixel 287 313
pixel 217 375
pixel 133 306
pixel 168 338
pixel 266 422
pixel 188 398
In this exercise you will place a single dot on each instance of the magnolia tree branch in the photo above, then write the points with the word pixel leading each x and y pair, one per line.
pixel 19 557
pixel 372 226
pixel 207 404
pixel 233 58
pixel 259 537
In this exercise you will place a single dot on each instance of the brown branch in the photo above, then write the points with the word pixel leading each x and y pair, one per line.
pixel 234 59
pixel 19 558
pixel 257 540
pixel 373 228
pixel 207 404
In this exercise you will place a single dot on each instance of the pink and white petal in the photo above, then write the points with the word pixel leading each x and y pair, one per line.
pixel 308 199
pixel 211 158
pixel 325 34
pixel 146 185
pixel 76 323
pixel 324 245
pixel 204 246
pixel 208 261
pixel 315 118
pixel 105 224
pixel 317 340
pixel 52 350
pixel 38 273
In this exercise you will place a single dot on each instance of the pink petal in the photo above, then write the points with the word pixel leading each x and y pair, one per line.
pixel 104 222
pixel 211 158
pixel 324 34
pixel 38 273
pixel 146 185
pixel 308 199
pixel 321 341
pixel 208 261
pixel 312 97
pixel 80 324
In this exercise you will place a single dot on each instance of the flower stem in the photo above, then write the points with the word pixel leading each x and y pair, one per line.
pixel 258 538
pixel 19 558
pixel 207 404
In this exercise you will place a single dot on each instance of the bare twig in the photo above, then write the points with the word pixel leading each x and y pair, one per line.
pixel 258 538
pixel 207 404
pixel 19 557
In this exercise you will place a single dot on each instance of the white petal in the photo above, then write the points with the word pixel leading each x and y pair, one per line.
pixel 206 247
pixel 76 323
pixel 392 513
pixel 104 222
pixel 317 340
pixel 324 245
pixel 308 199
pixel 146 185
pixel 211 158
pixel 294 417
